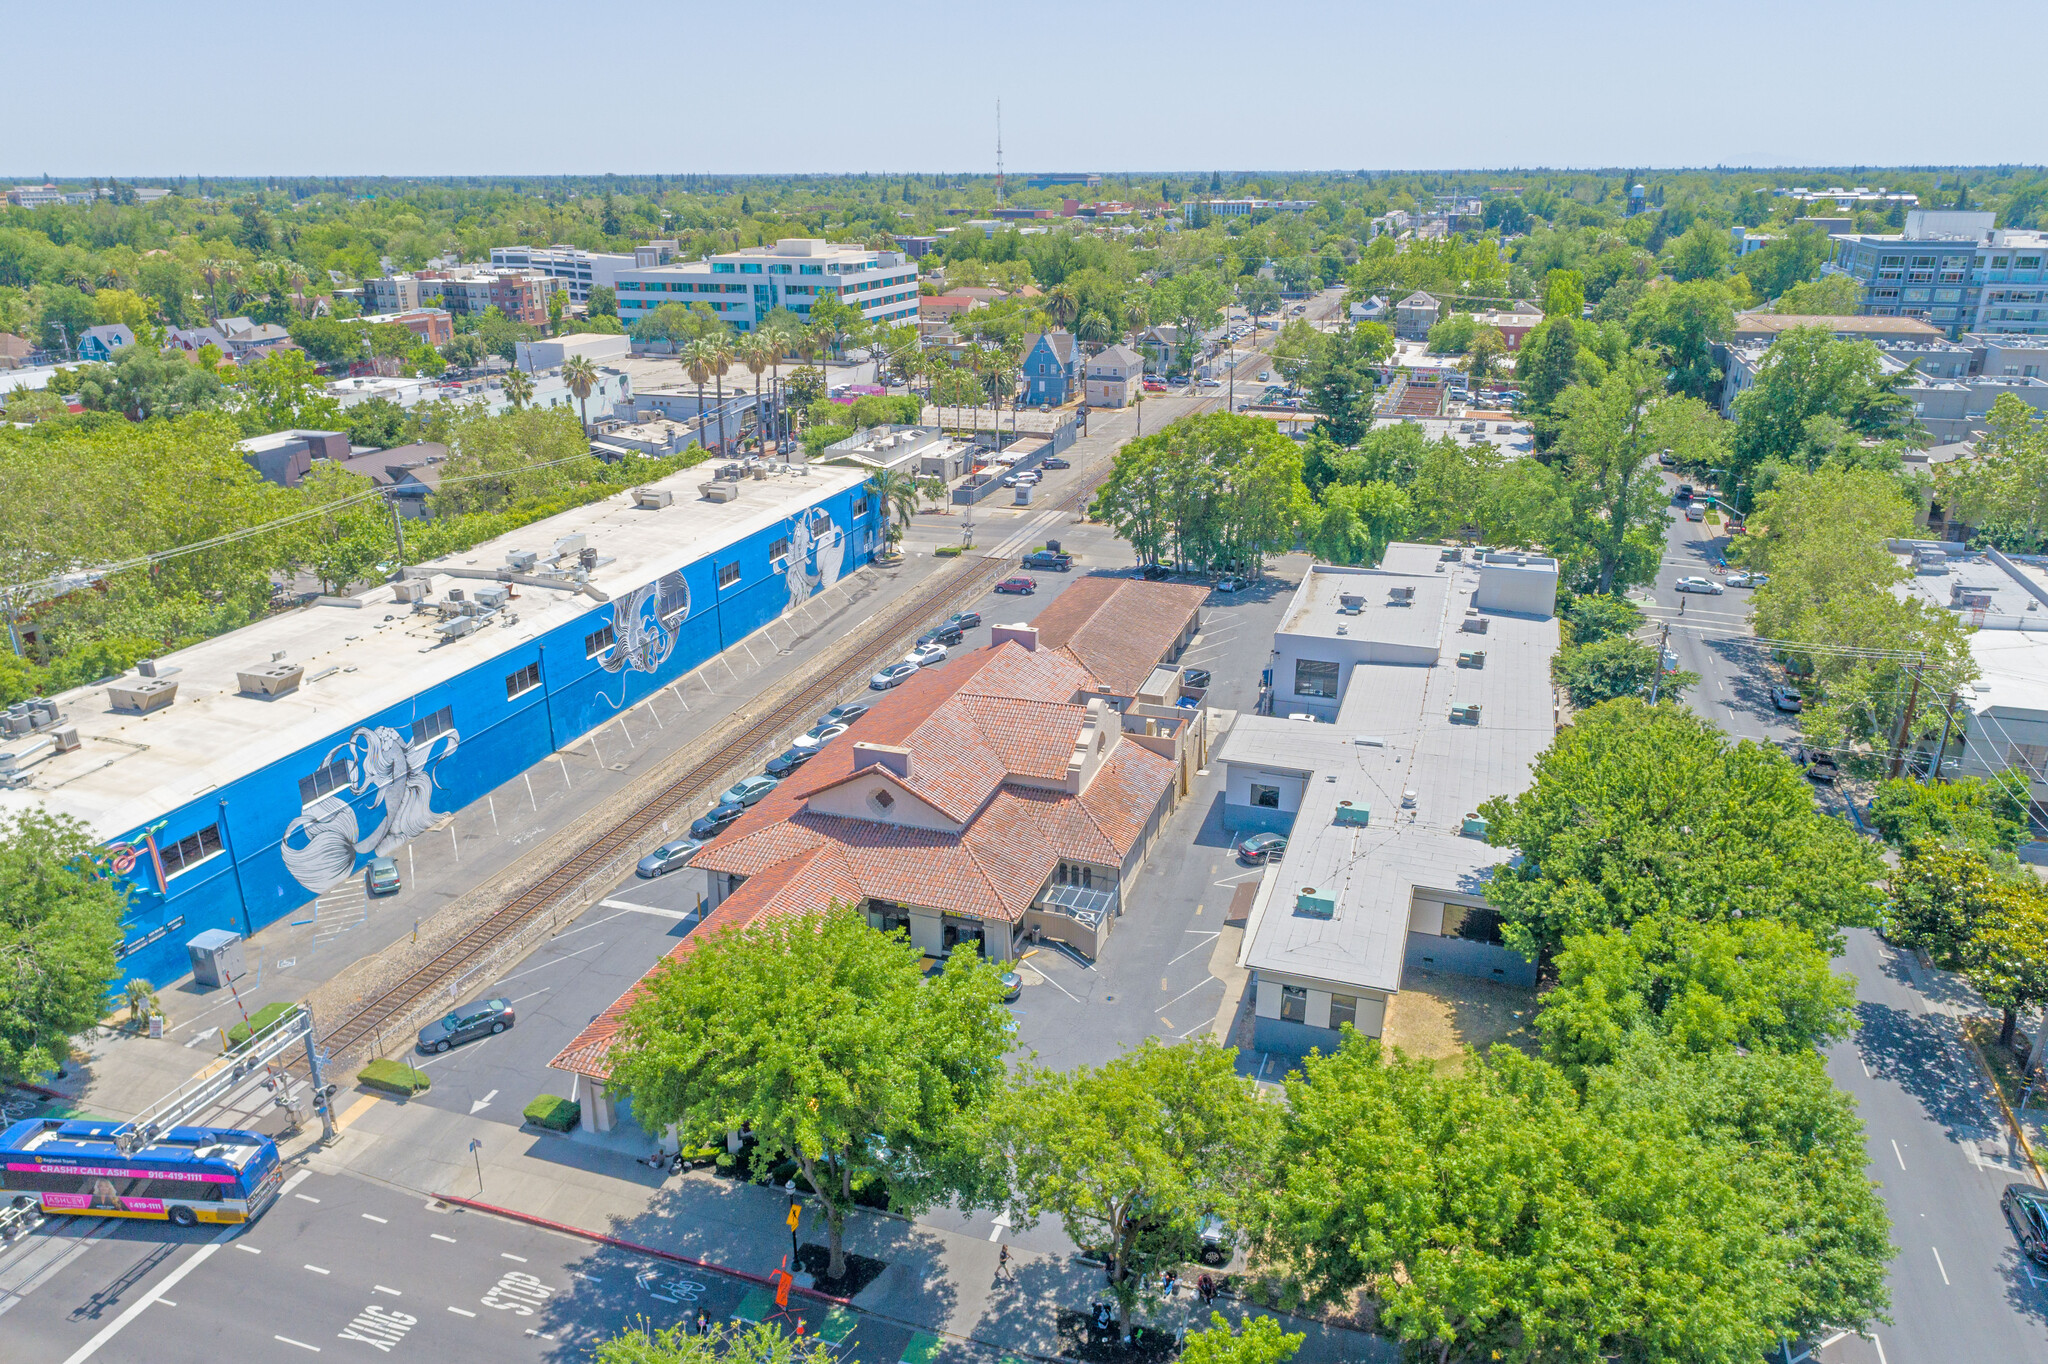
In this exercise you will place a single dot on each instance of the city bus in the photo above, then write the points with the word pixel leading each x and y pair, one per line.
pixel 187 1175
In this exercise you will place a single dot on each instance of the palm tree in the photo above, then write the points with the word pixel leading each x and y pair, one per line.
pixel 755 351
pixel 699 357
pixel 721 362
pixel 581 373
pixel 896 490
pixel 519 388
pixel 782 336
pixel 812 346
pixel 1062 304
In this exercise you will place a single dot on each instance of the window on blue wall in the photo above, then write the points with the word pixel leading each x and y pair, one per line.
pixel 728 574
pixel 860 506
pixel 778 549
pixel 332 777
pixel 525 680
pixel 595 644
pixel 428 727
pixel 191 849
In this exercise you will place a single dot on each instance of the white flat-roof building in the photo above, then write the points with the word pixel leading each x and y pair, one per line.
pixel 580 271
pixel 1404 696
pixel 743 287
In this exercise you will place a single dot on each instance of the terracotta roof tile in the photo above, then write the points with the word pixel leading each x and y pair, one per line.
pixel 1119 629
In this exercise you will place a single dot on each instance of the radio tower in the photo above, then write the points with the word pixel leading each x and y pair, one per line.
pixel 999 153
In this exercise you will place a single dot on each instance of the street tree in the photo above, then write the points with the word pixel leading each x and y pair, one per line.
pixel 1129 1155
pixel 580 373
pixel 518 388
pixel 1259 1341
pixel 1641 810
pixel 1684 323
pixel 60 929
pixel 722 1344
pixel 2003 492
pixel 1483 356
pixel 1340 377
pixel 283 391
pixel 1981 814
pixel 824 1037
pixel 1615 667
pixel 1805 374
pixel 896 490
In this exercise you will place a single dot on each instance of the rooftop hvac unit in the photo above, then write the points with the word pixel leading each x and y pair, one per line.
pixel 570 544
pixel 586 558
pixel 1465 715
pixel 521 560
pixel 493 597
pixel 411 590
pixel 142 697
pixel 719 491
pixel 1475 625
pixel 1314 904
pixel 455 594
pixel 271 679
pixel 1474 827
pixel 652 499
pixel 460 626
pixel 1348 813
pixel 1472 658
pixel 1351 603
pixel 1401 595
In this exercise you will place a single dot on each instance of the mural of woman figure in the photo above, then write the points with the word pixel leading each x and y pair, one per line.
pixel 322 846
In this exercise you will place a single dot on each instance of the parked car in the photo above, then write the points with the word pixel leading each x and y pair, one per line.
pixel 1218 1245
pixel 1013 987
pixel 927 655
pixel 381 877
pixel 482 1018
pixel 1058 561
pixel 966 620
pixel 848 711
pixel 1786 699
pixel 1261 847
pixel 1152 573
pixel 748 791
pixel 1666 460
pixel 1230 582
pixel 669 857
pixel 1740 579
pixel 1154 386
pixel 789 760
pixel 1819 766
pixel 1698 584
pixel 895 673
pixel 1055 462
pixel 2026 1207
pixel 1195 677
pixel 1685 492
pixel 1264 375
pixel 947 634
pixel 1695 512
pixel 1019 586
pixel 1209 383
pixel 715 822
pixel 820 734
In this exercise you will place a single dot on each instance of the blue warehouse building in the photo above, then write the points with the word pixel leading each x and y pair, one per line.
pixel 235 781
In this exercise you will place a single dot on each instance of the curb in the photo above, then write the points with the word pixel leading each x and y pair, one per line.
pixel 2018 1128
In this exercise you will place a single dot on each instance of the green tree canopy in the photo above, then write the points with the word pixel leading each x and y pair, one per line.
pixel 825 1037
pixel 1805 374
pixel 60 927
pixel 1638 811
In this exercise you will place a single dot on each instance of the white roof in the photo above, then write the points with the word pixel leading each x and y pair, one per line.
pixel 1394 734
pixel 2014 673
pixel 358 660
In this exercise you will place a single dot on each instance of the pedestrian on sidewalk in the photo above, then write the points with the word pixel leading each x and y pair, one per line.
pixel 703 1322
pixel 1003 1270
pixel 1169 1283
pixel 1205 1289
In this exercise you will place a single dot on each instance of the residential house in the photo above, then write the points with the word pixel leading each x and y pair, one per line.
pixel 406 473
pixel 247 340
pixel 1513 324
pixel 1415 315
pixel 191 340
pixel 945 307
pixel 1114 376
pixel 14 351
pixel 1051 368
pixel 1161 346
pixel 101 344
pixel 1373 309
pixel 286 457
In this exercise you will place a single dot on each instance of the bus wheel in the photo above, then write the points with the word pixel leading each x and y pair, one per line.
pixel 184 1217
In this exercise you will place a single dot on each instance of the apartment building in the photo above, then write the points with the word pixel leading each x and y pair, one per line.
pixel 1953 269
pixel 578 270
pixel 743 287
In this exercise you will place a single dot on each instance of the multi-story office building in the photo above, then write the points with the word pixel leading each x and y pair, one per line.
pixel 1952 269
pixel 520 294
pixel 743 287
pixel 1243 208
pixel 579 271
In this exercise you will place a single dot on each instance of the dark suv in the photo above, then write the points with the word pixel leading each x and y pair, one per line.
pixel 948 634
pixel 2026 1207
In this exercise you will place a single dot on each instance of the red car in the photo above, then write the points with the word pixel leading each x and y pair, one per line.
pixel 1022 587
pixel 1154 386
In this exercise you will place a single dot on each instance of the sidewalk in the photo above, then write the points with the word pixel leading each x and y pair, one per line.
pixel 936 1281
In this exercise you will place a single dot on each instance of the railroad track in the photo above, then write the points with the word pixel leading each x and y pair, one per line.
pixel 769 729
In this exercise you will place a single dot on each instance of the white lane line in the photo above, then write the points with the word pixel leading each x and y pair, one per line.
pixel 392 1291
pixel 535 995
pixel 300 1343
pixel 300 1178
pixel 113 1328
pixel 439 1237
pixel 317 1269
pixel 462 1311
pixel 645 909
pixel 557 961
pixel 1938 1264
pixel 251 1249
pixel 1206 980
pixel 594 923
pixel 508 1255
pixel 308 1197
pixel 1880 1348
pixel 1207 938
pixel 372 1217
pixel 1896 1153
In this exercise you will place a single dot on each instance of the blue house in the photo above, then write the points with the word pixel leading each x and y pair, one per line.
pixel 101 343
pixel 1052 366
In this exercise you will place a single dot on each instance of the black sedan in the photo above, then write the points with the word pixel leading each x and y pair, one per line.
pixel 789 760
pixel 2026 1207
pixel 1261 847
pixel 714 823
pixel 966 620
pixel 467 1024
pixel 670 857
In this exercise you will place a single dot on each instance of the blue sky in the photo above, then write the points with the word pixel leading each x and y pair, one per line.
pixel 437 87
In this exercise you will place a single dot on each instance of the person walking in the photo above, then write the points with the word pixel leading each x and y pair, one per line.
pixel 1003 1270
pixel 703 1322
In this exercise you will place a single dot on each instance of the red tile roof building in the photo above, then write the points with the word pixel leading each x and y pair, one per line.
pixel 995 796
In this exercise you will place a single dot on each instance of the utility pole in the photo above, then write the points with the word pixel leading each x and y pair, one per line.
pixel 397 529
pixel 1948 717
pixel 1657 685
pixel 1906 722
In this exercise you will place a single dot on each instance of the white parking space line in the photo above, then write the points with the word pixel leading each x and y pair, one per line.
pixel 306 1197
pixel 556 962
pixel 300 1343
pixel 372 1217
pixel 392 1291
pixel 1938 1264
pixel 251 1249
pixel 1207 938
pixel 317 1269
pixel 508 1255
pixel 647 909
pixel 462 1311
pixel 1897 1154
pixel 1206 980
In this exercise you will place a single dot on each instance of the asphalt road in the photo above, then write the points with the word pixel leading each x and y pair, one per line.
pixel 345 1266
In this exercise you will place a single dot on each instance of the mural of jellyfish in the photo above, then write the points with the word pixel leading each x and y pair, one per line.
pixel 323 845
pixel 816 550
pixel 645 621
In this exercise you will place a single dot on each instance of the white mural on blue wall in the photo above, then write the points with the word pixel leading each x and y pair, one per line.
pixel 816 551
pixel 392 778
pixel 647 622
